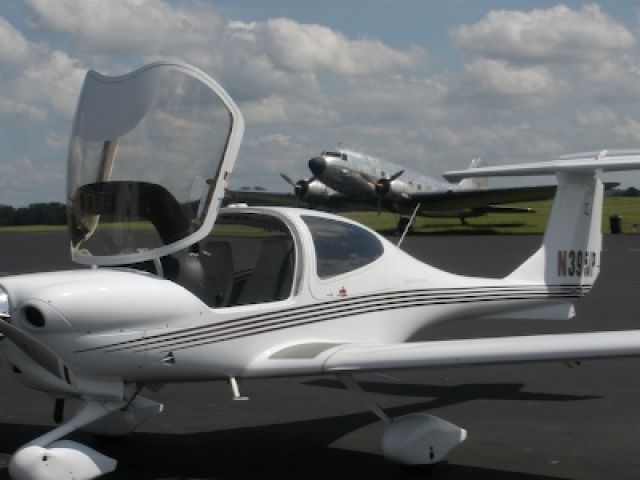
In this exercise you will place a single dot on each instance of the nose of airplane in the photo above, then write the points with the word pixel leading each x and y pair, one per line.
pixel 317 165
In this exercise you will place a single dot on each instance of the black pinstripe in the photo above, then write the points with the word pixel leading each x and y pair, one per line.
pixel 333 309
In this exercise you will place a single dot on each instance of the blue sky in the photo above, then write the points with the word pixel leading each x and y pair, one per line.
pixel 428 84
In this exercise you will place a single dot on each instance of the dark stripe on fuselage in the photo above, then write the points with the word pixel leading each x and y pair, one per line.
pixel 345 307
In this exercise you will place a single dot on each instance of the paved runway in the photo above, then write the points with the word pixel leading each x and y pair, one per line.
pixel 525 422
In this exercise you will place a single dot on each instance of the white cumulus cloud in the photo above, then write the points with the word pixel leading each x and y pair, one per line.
pixel 11 107
pixel 304 48
pixel 555 34
pixel 56 81
pixel 15 48
pixel 498 77
pixel 128 26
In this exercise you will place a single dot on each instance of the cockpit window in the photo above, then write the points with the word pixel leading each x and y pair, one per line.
pixel 331 154
pixel 341 247
pixel 248 258
pixel 342 156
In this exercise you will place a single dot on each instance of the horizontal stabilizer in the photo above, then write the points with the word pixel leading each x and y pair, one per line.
pixel 485 351
pixel 603 161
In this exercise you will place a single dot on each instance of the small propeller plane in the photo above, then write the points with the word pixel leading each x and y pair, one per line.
pixel 178 289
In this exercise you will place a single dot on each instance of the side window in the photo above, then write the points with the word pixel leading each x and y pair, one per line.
pixel 341 247
pixel 248 258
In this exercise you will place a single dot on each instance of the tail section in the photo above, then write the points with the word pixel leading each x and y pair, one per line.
pixel 475 182
pixel 570 251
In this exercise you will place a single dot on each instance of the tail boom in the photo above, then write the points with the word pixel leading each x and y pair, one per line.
pixel 572 243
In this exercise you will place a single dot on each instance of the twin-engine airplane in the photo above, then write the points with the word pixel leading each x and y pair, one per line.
pixel 348 180
pixel 181 290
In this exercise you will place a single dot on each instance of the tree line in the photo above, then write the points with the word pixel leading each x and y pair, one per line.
pixel 624 192
pixel 55 213
pixel 52 213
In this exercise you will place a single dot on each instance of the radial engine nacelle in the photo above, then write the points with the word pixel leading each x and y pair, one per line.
pixel 311 190
pixel 392 186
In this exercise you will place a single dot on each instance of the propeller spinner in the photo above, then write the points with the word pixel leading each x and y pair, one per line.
pixel 383 187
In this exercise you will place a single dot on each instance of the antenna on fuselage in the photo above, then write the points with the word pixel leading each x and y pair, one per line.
pixel 408 225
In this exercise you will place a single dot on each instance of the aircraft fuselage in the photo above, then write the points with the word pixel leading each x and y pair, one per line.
pixel 355 174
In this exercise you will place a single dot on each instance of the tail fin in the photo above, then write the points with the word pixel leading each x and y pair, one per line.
pixel 572 243
pixel 570 251
pixel 475 182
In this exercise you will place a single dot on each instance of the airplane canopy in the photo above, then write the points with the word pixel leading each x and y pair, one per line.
pixel 149 156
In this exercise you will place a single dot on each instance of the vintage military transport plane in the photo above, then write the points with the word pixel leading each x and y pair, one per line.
pixel 178 289
pixel 346 180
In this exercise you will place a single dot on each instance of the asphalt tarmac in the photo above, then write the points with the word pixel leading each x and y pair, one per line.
pixel 525 422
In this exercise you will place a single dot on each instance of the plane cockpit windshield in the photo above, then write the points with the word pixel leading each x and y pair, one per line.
pixel 341 247
pixel 342 156
pixel 145 162
pixel 247 258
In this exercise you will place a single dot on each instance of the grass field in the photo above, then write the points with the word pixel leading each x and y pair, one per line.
pixel 505 223
pixel 508 223
pixel 34 228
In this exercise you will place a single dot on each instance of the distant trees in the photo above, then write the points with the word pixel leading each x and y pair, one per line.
pixel 624 192
pixel 52 213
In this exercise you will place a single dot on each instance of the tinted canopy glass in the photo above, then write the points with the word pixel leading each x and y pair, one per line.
pixel 145 161
pixel 341 247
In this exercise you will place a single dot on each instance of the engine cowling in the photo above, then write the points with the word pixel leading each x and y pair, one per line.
pixel 312 190
pixel 301 188
pixel 318 191
pixel 391 186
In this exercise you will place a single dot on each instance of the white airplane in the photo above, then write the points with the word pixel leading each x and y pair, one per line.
pixel 266 291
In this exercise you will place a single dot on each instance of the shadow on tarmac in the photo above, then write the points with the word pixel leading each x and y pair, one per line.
pixel 301 449
pixel 292 450
pixel 444 396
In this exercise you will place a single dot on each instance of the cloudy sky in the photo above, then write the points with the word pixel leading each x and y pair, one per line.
pixel 428 84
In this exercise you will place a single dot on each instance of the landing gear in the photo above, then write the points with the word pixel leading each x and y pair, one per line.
pixel 49 458
pixel 414 439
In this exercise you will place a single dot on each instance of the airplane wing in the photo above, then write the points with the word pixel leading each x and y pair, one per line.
pixel 481 198
pixel 483 351
pixel 258 197
pixel 279 199
pixel 449 200
pixel 475 201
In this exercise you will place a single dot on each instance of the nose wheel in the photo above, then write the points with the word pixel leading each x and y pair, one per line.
pixel 50 458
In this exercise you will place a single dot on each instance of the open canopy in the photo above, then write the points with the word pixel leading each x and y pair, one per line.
pixel 149 157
